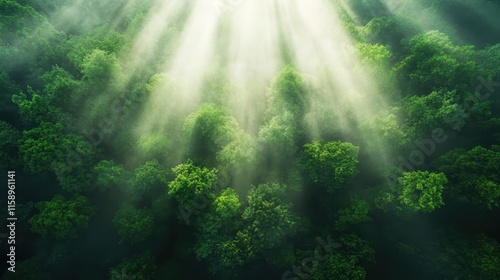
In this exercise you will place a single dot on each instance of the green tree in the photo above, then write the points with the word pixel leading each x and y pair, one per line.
pixel 437 109
pixel 148 177
pixel 49 147
pixel 435 63
pixel 134 225
pixel 473 175
pixel 152 145
pixel 108 173
pixel 208 130
pixel 38 108
pixel 280 134
pixel 99 68
pixel 330 164
pixel 27 40
pixel 417 191
pixel 268 217
pixel 192 184
pixel 43 145
pixel 287 93
pixel 62 217
pixel 218 242
pixel 227 204
pixel 101 38
pixel 387 127
pixel 238 154
pixel 60 87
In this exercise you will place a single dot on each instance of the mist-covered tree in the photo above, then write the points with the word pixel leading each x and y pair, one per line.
pixel 473 175
pixel 108 173
pixel 417 191
pixel 389 126
pixel 192 184
pixel 62 217
pixel 141 267
pixel 152 145
pixel 287 93
pixel 134 225
pixel 101 38
pixel 280 133
pixel 148 177
pixel 269 217
pixel 28 40
pixel 330 164
pixel 99 68
pixel 207 130
pixel 238 154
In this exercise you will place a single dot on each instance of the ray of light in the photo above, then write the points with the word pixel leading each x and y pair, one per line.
pixel 321 45
pixel 250 44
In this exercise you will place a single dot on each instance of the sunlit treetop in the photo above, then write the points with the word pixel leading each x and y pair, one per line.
pixel 99 68
pixel 152 145
pixel 287 92
pixel 227 203
pixel 192 183
pixel 415 192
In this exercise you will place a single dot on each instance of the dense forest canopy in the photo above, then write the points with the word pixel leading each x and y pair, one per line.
pixel 265 139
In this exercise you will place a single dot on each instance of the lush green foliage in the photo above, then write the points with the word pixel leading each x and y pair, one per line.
pixel 62 217
pixel 418 191
pixel 330 164
pixel 474 174
pixel 175 139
